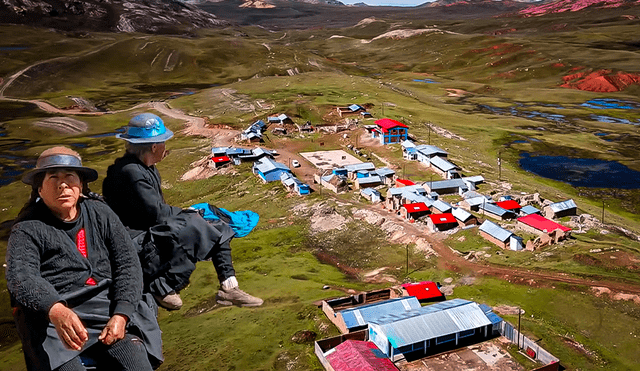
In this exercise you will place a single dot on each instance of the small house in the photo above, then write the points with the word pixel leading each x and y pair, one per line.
pixel 496 234
pixel 386 175
pixel 353 109
pixel 368 182
pixel 560 209
pixel 390 131
pixel 464 217
pixel 441 222
pixel 528 209
pixel 440 207
pixel 444 168
pixel 414 211
pixel 495 211
pixel 425 291
pixel 425 153
pixel 269 170
pixel 353 169
pixel 336 183
pixel 280 119
pixel 371 194
pixel 220 161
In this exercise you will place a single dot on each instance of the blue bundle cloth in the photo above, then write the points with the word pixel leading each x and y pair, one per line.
pixel 242 222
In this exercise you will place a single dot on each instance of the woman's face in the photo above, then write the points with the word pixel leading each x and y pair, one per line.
pixel 60 191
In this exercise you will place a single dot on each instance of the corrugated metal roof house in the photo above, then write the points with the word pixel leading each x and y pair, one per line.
pixel 538 224
pixel 528 209
pixel 368 182
pixel 371 195
pixel 560 209
pixel 443 167
pixel 464 217
pixel 269 170
pixel 440 207
pixel 495 211
pixel 359 317
pixel 429 327
pixel 496 234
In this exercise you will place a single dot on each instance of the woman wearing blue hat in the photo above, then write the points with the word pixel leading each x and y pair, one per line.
pixel 171 240
pixel 74 278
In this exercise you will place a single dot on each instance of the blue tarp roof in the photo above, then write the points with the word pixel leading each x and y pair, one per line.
pixel 360 316
pixel 355 107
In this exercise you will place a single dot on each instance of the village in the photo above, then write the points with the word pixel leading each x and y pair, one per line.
pixel 397 328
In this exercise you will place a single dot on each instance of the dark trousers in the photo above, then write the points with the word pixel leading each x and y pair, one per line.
pixel 170 251
pixel 128 354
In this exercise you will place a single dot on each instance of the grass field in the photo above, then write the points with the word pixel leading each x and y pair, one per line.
pixel 238 75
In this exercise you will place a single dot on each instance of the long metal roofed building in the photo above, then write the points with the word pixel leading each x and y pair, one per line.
pixel 358 318
pixel 429 327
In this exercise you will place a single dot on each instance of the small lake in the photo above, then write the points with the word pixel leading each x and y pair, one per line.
pixel 582 172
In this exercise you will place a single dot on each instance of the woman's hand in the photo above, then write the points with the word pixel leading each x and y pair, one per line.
pixel 114 330
pixel 68 326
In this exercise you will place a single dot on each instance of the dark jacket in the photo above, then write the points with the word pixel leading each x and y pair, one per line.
pixel 44 267
pixel 171 240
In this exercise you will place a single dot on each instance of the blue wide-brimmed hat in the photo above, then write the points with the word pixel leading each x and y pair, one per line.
pixel 146 128
pixel 61 158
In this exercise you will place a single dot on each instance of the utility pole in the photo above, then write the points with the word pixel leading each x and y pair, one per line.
pixel 519 333
pixel 499 165
pixel 603 211
pixel 407 247
pixel 429 130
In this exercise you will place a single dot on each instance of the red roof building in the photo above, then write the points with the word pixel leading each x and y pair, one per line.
pixel 356 355
pixel 404 182
pixel 443 218
pixel 509 205
pixel 220 161
pixel 390 131
pixel 541 224
pixel 423 291
pixel 388 124
pixel 442 222
pixel 414 211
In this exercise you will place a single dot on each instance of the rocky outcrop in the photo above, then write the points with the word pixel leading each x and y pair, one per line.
pixel 149 16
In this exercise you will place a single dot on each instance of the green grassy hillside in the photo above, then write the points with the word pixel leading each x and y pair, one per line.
pixel 237 75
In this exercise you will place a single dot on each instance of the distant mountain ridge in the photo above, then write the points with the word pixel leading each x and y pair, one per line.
pixel 152 16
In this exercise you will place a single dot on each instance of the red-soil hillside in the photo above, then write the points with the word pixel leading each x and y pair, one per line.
pixel 572 6
pixel 602 81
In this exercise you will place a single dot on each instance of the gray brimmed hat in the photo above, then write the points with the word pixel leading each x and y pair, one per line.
pixel 146 128
pixel 60 158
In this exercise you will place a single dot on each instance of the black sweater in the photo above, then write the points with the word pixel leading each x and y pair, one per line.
pixel 43 262
pixel 133 191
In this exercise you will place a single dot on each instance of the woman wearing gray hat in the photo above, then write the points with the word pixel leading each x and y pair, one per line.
pixel 74 277
pixel 172 240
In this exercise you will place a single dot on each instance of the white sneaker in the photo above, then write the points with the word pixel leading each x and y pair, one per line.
pixel 237 297
pixel 170 301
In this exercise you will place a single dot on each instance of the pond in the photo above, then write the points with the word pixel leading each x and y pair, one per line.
pixel 527 110
pixel 582 172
